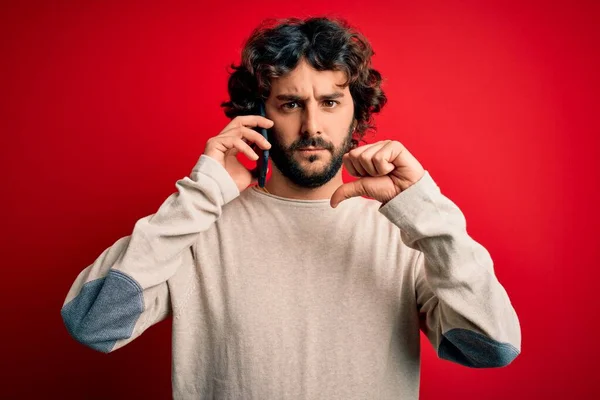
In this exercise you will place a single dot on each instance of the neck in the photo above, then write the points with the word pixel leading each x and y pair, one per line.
pixel 281 186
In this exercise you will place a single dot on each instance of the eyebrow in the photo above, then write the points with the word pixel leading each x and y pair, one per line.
pixel 295 97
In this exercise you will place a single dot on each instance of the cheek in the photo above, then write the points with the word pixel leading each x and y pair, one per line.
pixel 286 122
pixel 344 114
pixel 278 138
pixel 339 125
pixel 285 128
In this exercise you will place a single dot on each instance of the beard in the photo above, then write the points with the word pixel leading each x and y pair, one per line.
pixel 285 161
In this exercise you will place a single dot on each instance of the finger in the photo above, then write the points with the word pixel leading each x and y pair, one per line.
pixel 346 191
pixel 250 121
pixel 249 136
pixel 243 147
pixel 355 163
pixel 381 159
pixel 349 166
pixel 366 159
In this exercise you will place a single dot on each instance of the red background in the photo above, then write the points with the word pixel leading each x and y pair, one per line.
pixel 105 106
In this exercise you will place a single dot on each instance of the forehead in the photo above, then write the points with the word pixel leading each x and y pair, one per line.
pixel 304 80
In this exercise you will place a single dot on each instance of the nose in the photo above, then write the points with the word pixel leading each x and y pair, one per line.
pixel 311 124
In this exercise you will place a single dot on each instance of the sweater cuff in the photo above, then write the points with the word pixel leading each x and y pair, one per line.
pixel 416 202
pixel 210 167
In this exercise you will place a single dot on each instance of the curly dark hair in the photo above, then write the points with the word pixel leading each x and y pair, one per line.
pixel 276 46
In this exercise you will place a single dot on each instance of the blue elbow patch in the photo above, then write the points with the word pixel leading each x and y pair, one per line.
pixel 104 311
pixel 475 350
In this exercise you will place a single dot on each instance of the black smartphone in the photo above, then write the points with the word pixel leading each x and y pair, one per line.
pixel 263 155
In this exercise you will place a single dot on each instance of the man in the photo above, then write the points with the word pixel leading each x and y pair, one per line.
pixel 310 288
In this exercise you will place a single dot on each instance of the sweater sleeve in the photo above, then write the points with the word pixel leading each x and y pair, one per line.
pixel 464 311
pixel 125 291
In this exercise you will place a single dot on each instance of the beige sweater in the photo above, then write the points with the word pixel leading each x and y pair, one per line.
pixel 274 298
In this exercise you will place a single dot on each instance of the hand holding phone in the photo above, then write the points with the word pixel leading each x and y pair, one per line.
pixel 240 136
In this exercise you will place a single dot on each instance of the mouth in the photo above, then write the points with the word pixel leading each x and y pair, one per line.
pixel 310 150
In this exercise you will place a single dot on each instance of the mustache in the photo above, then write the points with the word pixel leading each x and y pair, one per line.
pixel 311 142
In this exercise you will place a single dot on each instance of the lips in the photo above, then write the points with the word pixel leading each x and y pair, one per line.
pixel 311 149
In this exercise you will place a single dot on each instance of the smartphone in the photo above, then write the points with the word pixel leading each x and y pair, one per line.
pixel 263 155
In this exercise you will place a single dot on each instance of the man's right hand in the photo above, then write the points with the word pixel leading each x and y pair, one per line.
pixel 237 137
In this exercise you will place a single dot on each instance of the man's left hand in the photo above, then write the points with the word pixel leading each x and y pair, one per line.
pixel 384 169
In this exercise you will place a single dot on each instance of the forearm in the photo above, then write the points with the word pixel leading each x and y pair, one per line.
pixel 457 289
pixel 124 290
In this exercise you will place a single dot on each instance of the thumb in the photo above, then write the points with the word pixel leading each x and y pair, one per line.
pixel 346 191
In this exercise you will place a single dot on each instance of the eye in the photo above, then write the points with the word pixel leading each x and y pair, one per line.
pixel 290 105
pixel 330 103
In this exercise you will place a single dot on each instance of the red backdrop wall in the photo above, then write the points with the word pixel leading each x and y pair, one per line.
pixel 105 105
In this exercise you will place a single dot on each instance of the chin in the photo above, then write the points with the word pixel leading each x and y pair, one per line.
pixel 316 164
